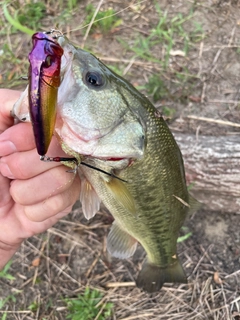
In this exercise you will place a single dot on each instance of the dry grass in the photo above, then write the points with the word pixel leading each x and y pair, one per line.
pixel 69 261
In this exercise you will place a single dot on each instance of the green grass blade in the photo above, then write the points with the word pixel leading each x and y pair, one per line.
pixel 16 23
pixel 185 237
pixel 4 317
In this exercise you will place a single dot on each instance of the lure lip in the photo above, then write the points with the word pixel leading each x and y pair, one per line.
pixel 44 80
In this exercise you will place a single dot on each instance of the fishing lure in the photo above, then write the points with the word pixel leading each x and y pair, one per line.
pixel 44 80
pixel 77 163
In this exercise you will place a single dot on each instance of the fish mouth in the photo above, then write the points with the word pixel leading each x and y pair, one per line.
pixel 113 142
pixel 88 147
pixel 87 135
pixel 80 143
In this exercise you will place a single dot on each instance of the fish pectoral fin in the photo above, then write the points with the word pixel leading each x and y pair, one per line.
pixel 119 243
pixel 89 199
pixel 152 277
pixel 120 192
pixel 194 205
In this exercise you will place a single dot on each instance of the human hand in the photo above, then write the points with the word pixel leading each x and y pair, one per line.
pixel 34 195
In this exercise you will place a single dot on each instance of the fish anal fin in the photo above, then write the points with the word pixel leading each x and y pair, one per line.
pixel 119 243
pixel 120 192
pixel 89 199
pixel 152 277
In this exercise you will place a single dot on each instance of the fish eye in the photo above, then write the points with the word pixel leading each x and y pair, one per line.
pixel 94 79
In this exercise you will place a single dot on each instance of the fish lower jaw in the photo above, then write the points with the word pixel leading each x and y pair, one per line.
pixel 111 163
pixel 127 161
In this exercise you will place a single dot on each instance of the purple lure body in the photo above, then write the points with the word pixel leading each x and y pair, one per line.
pixel 44 80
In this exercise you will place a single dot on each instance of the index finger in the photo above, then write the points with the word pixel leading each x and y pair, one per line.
pixel 7 99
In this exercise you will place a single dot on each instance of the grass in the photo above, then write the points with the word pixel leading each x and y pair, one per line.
pixel 3 302
pixel 9 298
pixel 170 34
pixel 35 11
pixel 89 306
pixel 105 20
pixel 155 47
pixel 157 88
pixel 28 16
pixel 14 21
pixel 4 273
pixel 185 236
pixel 166 46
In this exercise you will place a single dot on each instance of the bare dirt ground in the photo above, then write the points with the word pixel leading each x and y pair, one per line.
pixel 72 254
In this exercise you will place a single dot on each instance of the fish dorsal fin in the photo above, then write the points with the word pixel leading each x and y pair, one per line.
pixel 194 205
pixel 89 199
pixel 121 194
pixel 119 243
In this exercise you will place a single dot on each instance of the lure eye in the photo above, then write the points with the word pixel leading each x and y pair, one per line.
pixel 94 79
pixel 48 61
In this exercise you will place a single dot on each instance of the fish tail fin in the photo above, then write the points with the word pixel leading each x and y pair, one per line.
pixel 152 277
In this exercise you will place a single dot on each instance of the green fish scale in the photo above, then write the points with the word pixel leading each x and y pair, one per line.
pixel 159 177
pixel 152 181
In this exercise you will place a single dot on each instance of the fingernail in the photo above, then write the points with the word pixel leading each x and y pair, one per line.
pixel 7 147
pixel 5 171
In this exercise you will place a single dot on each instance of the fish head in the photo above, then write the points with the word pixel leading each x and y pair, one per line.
pixel 97 110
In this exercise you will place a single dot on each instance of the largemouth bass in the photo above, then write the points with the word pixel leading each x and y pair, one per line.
pixel 103 120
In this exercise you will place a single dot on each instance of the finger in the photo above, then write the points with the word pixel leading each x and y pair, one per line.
pixel 41 187
pixel 55 207
pixel 20 138
pixel 5 197
pixel 17 138
pixel 27 164
pixel 24 165
pixel 7 100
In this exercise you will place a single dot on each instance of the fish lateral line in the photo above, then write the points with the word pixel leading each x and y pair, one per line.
pixel 63 159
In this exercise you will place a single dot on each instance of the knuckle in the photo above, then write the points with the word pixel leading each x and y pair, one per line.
pixel 16 192
pixel 16 165
pixel 53 205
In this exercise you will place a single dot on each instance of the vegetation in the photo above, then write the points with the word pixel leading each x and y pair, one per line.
pixel 164 46
pixel 168 39
pixel 105 20
pixel 89 306
pixel 4 273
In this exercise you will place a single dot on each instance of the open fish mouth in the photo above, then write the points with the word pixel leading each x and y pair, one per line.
pixel 94 143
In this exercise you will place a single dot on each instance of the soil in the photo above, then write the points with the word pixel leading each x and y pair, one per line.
pixel 72 254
